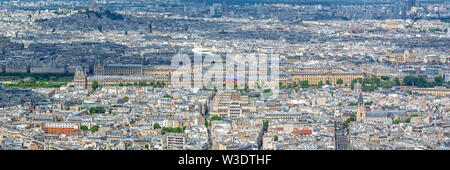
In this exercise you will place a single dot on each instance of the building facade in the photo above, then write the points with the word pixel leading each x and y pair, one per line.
pixel 402 56
pixel 68 129
pixel 232 105
pixel 331 77
pixel 436 91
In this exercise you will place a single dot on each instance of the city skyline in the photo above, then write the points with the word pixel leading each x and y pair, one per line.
pixel 222 75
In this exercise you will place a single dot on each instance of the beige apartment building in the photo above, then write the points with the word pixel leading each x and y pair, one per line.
pixel 436 91
pixel 232 105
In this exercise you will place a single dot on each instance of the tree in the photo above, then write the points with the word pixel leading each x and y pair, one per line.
pixel 304 84
pixel 396 121
pixel 397 81
pixel 372 80
pixel 320 84
pixel 294 84
pixel 408 120
pixel 350 119
pixel 95 85
pixel 143 83
pixel 95 110
pixel 156 126
pixel 275 138
pixel 415 81
pixel 328 82
pixel 215 117
pixel 94 128
pixel 438 81
pixel 385 77
pixel 339 81
pixel 83 127
pixel 387 84
pixel 126 98
pixel 281 85
pixel 266 124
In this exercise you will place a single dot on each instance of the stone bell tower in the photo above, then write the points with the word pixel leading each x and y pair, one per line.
pixel 80 79
pixel 361 110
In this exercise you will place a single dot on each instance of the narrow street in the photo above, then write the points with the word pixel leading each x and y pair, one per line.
pixel 341 138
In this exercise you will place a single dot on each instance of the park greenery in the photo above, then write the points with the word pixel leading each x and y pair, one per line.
pixel 95 85
pixel 156 126
pixel 266 124
pixel 215 117
pixel 93 128
pixel 36 80
pixel 350 119
pixel 35 84
pixel 84 127
pixel 267 91
pixel 96 110
pixel 39 76
pixel 371 83
pixel 100 14
pixel 165 130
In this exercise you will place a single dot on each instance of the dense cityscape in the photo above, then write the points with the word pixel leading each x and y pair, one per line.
pixel 99 75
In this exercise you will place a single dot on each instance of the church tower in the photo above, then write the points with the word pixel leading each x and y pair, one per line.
pixel 361 110
pixel 98 68
pixel 80 79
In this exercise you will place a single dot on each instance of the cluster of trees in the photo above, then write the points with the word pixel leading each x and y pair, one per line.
pixel 60 12
pixel 254 95
pixel 39 76
pixel 107 14
pixel 156 126
pixel 215 117
pixel 422 82
pixel 93 128
pixel 266 124
pixel 95 85
pixel 167 96
pixel 172 130
pixel 350 119
pixel 408 120
pixel 37 80
pixel 372 83
pixel 96 110
pixel 32 83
